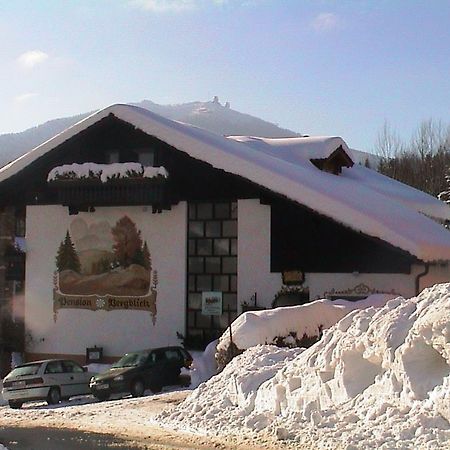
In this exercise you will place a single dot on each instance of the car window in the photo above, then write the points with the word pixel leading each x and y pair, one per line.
pixel 173 355
pixel 151 358
pixel 159 356
pixel 72 367
pixel 131 360
pixel 29 369
pixel 54 367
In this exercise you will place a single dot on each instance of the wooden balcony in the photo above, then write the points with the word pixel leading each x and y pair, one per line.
pixel 120 192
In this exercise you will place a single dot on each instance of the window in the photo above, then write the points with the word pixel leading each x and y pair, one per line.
pixel 113 157
pixel 54 367
pixel 173 355
pixel 212 266
pixel 72 367
pixel 146 157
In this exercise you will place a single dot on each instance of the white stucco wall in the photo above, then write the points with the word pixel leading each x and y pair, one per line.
pixel 439 273
pixel 254 254
pixel 117 331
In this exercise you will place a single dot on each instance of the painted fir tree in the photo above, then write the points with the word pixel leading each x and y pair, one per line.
pixel 146 256
pixel 67 257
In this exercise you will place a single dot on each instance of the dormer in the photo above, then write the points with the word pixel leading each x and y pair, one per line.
pixel 334 162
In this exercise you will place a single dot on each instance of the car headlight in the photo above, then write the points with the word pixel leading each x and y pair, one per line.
pixel 118 378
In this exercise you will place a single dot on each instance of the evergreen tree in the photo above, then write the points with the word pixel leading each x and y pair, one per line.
pixel 67 257
pixel 147 258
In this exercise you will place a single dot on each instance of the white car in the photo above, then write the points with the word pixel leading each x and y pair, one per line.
pixel 52 380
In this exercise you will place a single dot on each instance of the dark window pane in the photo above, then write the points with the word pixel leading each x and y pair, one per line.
pixel 230 302
pixel 204 283
pixel 224 321
pixel 212 265
pixel 229 264
pixel 146 157
pixel 196 229
pixel 195 265
pixel 234 247
pixel 195 301
pixel 192 250
pixel 234 210
pixel 203 321
pixel 204 211
pixel 229 228
pixel 216 322
pixel 192 211
pixel 204 247
pixel 233 283
pixel 191 283
pixel 212 229
pixel 222 211
pixel 221 283
pixel 221 246
pixel 191 319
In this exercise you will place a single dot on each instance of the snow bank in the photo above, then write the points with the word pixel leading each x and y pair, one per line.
pixel 379 378
pixel 264 327
pixel 203 366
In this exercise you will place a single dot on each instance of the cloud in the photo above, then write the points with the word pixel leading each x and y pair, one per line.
pixel 325 22
pixel 24 98
pixel 32 58
pixel 161 6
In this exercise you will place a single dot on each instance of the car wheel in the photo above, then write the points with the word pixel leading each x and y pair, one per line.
pixel 102 397
pixel 54 396
pixel 14 404
pixel 137 388
pixel 155 388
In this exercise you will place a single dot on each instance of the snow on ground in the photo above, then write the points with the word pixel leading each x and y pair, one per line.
pixel 264 327
pixel 379 378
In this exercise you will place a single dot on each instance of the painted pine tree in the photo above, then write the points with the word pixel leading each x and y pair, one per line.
pixel 146 256
pixel 67 257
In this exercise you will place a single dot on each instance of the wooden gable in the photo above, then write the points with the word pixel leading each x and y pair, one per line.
pixel 335 162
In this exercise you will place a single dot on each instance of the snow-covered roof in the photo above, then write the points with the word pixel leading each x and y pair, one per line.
pixel 358 198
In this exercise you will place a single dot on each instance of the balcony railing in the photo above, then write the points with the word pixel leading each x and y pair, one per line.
pixel 123 191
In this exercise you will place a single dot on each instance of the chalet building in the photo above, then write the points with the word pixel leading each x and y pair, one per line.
pixel 141 231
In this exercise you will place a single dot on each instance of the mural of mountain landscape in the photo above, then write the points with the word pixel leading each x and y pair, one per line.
pixel 104 260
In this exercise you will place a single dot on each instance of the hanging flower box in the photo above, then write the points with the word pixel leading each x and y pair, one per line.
pixel 109 184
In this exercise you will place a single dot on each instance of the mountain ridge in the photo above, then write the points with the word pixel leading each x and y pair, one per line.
pixel 210 115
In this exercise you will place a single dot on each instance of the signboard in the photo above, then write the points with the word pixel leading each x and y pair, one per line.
pixel 212 303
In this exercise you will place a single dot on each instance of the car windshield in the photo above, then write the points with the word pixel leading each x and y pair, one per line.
pixel 21 371
pixel 131 360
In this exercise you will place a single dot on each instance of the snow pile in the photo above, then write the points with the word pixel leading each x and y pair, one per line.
pixel 203 366
pixel 379 378
pixel 266 327
pixel 105 172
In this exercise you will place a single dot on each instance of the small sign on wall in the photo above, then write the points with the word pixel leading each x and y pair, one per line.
pixel 212 303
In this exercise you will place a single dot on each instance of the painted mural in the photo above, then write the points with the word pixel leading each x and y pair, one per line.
pixel 104 267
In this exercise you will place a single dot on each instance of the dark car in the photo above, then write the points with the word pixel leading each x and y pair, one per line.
pixel 137 371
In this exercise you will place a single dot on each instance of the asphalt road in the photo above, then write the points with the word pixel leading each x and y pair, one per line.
pixel 18 438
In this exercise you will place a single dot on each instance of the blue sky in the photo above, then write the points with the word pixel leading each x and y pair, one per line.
pixel 317 67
